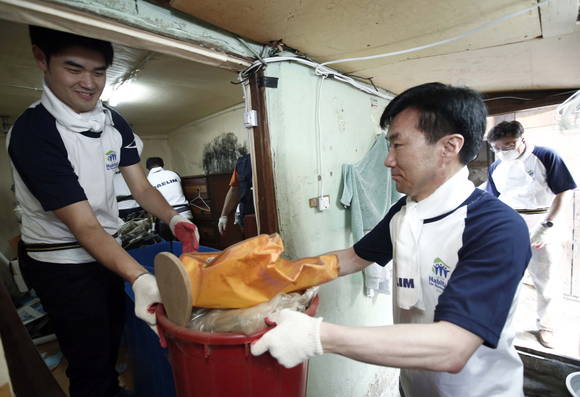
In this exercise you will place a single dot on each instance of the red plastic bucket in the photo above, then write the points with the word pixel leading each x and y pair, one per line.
pixel 221 364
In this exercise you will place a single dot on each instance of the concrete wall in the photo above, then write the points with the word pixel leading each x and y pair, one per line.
pixel 349 121
pixel 187 142
pixel 156 146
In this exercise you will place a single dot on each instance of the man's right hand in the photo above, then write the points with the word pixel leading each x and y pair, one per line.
pixel 146 296
pixel 222 224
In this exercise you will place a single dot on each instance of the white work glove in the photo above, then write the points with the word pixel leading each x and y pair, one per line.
pixel 146 295
pixel 222 224
pixel 540 236
pixel 186 232
pixel 295 338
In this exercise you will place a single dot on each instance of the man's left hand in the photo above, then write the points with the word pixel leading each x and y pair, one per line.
pixel 186 232
pixel 540 235
pixel 295 338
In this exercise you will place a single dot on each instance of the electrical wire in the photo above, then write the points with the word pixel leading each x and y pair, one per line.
pixel 441 42
pixel 317 137
pixel 324 71
pixel 250 49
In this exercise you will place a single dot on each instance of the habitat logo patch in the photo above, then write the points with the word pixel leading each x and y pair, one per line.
pixel 111 161
pixel 440 274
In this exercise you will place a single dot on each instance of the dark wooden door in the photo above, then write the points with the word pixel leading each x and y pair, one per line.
pixel 206 195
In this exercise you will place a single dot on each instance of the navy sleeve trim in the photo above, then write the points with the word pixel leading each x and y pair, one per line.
pixel 489 336
pixel 492 260
pixel 376 245
pixel 38 154
pixel 129 151
pixel 490 185
pixel 558 176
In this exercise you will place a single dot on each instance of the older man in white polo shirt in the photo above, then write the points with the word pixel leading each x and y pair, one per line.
pixel 458 257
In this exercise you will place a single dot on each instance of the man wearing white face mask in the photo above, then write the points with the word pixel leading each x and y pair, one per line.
pixel 534 181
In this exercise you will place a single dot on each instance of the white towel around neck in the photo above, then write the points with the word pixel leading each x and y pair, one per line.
pixel 408 228
pixel 93 120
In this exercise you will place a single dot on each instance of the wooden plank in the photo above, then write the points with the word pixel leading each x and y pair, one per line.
pixel 501 102
pixel 29 374
pixel 175 287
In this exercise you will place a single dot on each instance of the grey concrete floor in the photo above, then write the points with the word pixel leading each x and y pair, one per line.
pixel 567 332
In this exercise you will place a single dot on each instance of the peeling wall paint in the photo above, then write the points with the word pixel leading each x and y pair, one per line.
pixel 349 120
pixel 221 154
pixel 187 143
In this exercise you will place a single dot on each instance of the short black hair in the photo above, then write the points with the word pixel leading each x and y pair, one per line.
pixel 444 110
pixel 153 162
pixel 53 42
pixel 512 129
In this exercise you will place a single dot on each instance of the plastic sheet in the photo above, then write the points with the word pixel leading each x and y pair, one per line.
pixel 249 320
pixel 252 272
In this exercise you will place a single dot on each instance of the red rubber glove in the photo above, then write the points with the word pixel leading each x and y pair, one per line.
pixel 186 232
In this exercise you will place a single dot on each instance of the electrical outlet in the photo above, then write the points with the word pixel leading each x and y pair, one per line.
pixel 313 202
pixel 323 203
pixel 250 118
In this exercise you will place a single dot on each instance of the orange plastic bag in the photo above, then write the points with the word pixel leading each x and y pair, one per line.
pixel 252 272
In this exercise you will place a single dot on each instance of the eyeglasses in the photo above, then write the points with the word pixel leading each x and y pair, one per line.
pixel 504 148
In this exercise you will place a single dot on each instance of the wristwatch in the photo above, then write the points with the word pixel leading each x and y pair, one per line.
pixel 547 223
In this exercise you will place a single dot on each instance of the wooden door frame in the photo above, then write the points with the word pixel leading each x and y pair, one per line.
pixel 266 207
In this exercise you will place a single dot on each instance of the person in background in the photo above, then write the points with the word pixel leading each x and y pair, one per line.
pixel 168 183
pixel 458 257
pixel 534 181
pixel 240 193
pixel 64 151
pixel 127 204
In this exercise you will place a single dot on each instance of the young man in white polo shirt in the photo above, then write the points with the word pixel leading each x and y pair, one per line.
pixel 458 255
pixel 65 150
pixel 168 183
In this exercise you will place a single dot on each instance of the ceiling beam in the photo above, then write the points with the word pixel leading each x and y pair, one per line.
pixel 558 17
pixel 501 102
pixel 61 17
